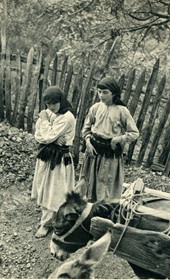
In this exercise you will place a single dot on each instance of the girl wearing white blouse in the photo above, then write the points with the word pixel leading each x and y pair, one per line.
pixel 108 126
pixel 54 171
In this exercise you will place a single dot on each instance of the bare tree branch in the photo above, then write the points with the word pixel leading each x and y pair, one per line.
pixel 80 10
pixel 140 19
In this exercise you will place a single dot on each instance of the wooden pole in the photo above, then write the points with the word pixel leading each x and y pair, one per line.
pixel 17 89
pixel 68 80
pixel 138 90
pixel 3 55
pixel 77 89
pixel 34 92
pixel 145 105
pixel 26 89
pixel 167 166
pixel 8 87
pixel 147 249
pixel 128 90
pixel 63 71
pixel 80 119
pixel 158 133
pixel 149 127
pixel 55 72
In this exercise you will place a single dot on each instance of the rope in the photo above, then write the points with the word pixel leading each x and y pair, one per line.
pixel 129 205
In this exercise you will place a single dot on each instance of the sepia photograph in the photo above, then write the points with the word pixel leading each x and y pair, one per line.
pixel 84 139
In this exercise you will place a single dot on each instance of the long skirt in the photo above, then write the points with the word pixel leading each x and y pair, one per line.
pixel 105 178
pixel 50 186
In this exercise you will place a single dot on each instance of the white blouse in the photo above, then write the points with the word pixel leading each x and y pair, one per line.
pixel 58 125
pixel 109 122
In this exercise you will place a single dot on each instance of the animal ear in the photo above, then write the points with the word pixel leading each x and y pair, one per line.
pixel 81 187
pixel 97 250
pixel 70 213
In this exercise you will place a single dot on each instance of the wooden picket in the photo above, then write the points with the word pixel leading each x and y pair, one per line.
pixel 2 70
pixel 45 83
pixel 145 105
pixel 54 78
pixel 149 127
pixel 158 133
pixel 166 147
pixel 63 71
pixel 33 95
pixel 77 89
pixel 81 113
pixel 26 89
pixel 17 91
pixel 129 85
pixel 68 80
pixel 167 166
pixel 8 86
pixel 138 90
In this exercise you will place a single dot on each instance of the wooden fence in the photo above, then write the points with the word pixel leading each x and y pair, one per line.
pixel 23 80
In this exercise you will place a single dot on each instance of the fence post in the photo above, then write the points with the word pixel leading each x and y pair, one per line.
pixel 2 86
pixel 77 90
pixel 26 89
pixel 68 80
pixel 145 105
pixel 34 91
pixel 166 147
pixel 63 71
pixel 17 88
pixel 54 72
pixel 135 99
pixel 3 47
pixel 84 97
pixel 167 166
pixel 128 90
pixel 158 134
pixel 45 77
pixel 149 127
pixel 8 86
pixel 121 82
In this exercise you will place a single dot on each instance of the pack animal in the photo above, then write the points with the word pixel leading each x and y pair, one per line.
pixel 83 267
pixel 72 226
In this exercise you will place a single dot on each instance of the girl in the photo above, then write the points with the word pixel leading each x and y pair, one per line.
pixel 54 171
pixel 108 126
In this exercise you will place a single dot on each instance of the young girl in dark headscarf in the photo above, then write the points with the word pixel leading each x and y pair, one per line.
pixel 54 171
pixel 108 126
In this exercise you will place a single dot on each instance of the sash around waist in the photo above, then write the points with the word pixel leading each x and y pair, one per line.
pixel 54 154
pixel 103 147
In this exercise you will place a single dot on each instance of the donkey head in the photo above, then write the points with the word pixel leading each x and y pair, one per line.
pixel 68 213
pixel 83 267
pixel 64 220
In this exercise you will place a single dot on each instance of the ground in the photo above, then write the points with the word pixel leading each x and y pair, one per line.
pixel 22 255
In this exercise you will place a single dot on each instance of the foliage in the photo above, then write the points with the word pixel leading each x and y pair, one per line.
pixel 87 29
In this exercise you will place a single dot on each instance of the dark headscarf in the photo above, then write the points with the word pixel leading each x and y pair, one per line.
pixel 53 95
pixel 110 83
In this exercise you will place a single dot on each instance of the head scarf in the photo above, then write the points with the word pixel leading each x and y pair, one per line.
pixel 53 95
pixel 110 83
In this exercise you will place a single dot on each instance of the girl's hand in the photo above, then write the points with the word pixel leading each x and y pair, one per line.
pixel 61 141
pixel 90 149
pixel 43 115
pixel 114 141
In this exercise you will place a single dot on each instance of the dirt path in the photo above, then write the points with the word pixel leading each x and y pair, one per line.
pixel 24 256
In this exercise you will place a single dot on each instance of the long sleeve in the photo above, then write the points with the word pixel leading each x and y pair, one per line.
pixel 131 130
pixel 47 132
pixel 89 121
